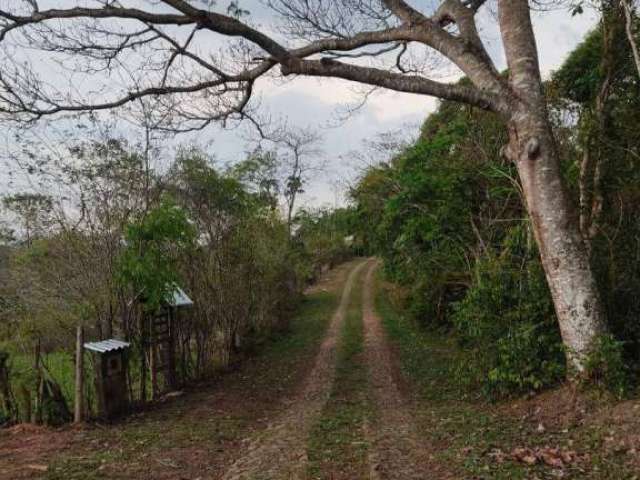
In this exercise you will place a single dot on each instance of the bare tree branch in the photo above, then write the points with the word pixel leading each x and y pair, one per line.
pixel 225 94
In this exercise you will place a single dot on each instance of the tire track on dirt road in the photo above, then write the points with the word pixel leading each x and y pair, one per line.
pixel 396 451
pixel 279 452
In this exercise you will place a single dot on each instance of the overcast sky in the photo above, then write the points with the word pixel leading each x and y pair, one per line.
pixel 320 103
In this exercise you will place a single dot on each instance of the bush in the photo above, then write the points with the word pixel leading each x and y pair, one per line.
pixel 606 368
pixel 507 324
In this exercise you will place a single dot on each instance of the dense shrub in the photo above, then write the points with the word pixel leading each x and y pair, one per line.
pixel 606 367
pixel 506 322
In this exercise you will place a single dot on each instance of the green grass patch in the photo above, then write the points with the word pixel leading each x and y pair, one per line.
pixel 337 447
pixel 23 379
pixel 464 429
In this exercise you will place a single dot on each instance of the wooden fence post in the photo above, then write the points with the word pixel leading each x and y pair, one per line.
pixel 79 400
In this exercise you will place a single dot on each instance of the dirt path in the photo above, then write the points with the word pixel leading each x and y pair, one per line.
pixel 279 452
pixel 198 436
pixel 194 436
pixel 395 447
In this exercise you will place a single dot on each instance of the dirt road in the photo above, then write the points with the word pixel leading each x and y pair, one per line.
pixel 396 452
pixel 257 423
pixel 279 452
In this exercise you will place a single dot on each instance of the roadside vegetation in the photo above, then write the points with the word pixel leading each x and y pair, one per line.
pixel 202 429
pixel 447 214
pixel 108 255
pixel 558 434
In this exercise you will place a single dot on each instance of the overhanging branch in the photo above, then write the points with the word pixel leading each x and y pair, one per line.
pixel 393 81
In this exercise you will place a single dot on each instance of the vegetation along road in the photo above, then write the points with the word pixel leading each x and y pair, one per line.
pixel 319 239
pixel 347 394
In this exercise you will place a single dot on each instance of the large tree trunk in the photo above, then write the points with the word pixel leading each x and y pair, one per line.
pixel 554 218
pixel 562 250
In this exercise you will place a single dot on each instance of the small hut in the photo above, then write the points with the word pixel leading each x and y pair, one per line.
pixel 162 337
pixel 110 359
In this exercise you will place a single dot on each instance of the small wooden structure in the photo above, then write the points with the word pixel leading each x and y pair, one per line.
pixel 110 358
pixel 162 337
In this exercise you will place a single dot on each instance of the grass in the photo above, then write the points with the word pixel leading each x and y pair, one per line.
pixel 463 430
pixel 22 375
pixel 192 423
pixel 337 447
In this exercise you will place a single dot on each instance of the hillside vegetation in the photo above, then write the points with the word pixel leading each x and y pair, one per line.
pixel 447 216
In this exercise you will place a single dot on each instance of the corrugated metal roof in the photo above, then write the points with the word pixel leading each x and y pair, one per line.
pixel 106 345
pixel 178 298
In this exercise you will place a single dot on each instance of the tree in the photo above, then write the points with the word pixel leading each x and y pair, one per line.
pixel 298 149
pixel 629 15
pixel 285 169
pixel 447 217
pixel 597 87
pixel 259 173
pixel 34 211
pixel 346 39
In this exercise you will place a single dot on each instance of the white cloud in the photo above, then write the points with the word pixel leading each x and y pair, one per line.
pixel 558 33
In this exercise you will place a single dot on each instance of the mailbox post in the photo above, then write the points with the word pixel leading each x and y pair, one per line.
pixel 110 359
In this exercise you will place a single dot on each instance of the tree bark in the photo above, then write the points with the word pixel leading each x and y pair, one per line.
pixel 628 14
pixel 563 253
pixel 554 219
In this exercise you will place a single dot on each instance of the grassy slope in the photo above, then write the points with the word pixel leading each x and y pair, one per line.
pixel 201 429
pixel 336 447
pixel 467 436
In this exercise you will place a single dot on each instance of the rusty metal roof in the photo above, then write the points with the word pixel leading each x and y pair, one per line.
pixel 106 345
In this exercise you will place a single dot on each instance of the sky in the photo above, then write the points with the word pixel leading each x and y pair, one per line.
pixel 320 103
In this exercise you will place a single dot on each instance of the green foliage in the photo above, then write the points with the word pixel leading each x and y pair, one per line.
pixel 606 368
pixel 24 381
pixel 425 204
pixel 131 236
pixel 325 238
pixel 462 429
pixel 507 325
pixel 33 212
pixel 259 173
pixel 606 129
pixel 465 272
pixel 370 194
pixel 448 219
pixel 579 77
pixel 148 263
